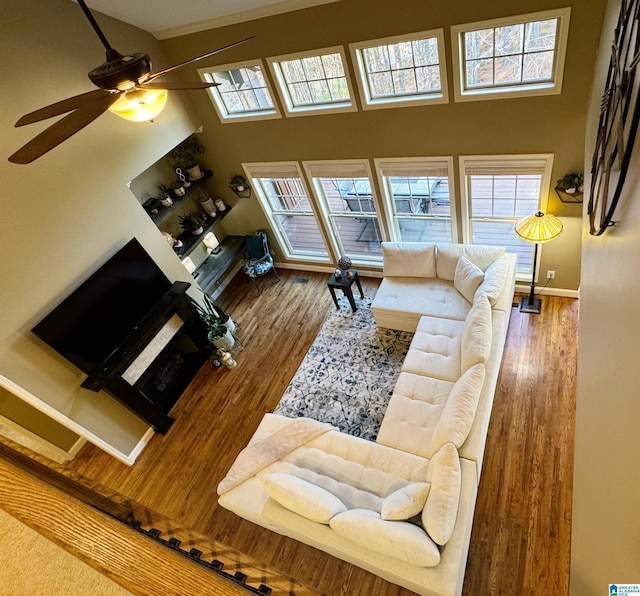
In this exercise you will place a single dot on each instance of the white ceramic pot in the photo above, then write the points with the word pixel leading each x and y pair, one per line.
pixel 226 342
pixel 220 205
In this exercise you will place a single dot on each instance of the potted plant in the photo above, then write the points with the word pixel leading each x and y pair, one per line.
pixel 178 189
pixel 237 183
pixel 163 196
pixel 191 222
pixel 219 324
pixel 186 154
pixel 571 183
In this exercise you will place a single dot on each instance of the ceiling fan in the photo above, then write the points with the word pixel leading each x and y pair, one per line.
pixel 126 86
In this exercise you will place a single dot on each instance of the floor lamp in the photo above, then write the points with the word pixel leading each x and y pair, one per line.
pixel 537 228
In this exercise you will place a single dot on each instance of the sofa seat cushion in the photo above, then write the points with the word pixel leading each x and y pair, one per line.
pixel 408 259
pixel 397 539
pixel 413 413
pixel 302 497
pixel 413 297
pixel 435 349
pixel 448 255
pixel 440 512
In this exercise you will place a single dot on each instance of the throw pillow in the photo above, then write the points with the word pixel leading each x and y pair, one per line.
pixel 459 410
pixel 398 539
pixel 476 333
pixel 495 279
pixel 302 497
pixel 440 513
pixel 467 278
pixel 409 259
pixel 481 256
pixel 405 502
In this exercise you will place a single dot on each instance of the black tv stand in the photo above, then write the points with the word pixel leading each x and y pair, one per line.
pixel 151 369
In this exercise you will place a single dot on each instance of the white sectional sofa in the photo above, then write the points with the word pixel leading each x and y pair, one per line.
pixel 401 507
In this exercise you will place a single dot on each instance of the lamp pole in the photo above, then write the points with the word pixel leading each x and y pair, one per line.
pixel 532 304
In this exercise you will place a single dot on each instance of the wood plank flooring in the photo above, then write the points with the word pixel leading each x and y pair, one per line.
pixel 521 535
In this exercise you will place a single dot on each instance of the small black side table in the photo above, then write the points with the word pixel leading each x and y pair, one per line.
pixel 344 284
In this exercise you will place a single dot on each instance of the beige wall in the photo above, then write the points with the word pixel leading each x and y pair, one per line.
pixel 606 517
pixel 551 124
pixel 64 214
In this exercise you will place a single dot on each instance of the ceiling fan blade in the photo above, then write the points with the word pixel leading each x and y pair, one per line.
pixel 176 86
pixel 64 106
pixel 63 129
pixel 155 75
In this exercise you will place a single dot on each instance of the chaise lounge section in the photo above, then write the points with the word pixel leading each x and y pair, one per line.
pixel 401 507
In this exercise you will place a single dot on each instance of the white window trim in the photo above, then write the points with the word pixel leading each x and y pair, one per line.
pixel 283 93
pixel 520 90
pixel 382 163
pixel 369 103
pixel 545 184
pixel 336 169
pixel 225 117
pixel 262 169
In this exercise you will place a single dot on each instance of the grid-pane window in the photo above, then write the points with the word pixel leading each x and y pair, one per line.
pixel 408 68
pixel 346 192
pixel 499 193
pixel 522 54
pixel 284 199
pixel 312 82
pixel 418 198
pixel 242 93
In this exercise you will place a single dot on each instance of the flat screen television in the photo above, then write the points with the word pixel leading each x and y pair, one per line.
pixel 97 317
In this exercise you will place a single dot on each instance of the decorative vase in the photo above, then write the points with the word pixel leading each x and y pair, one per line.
pixel 230 325
pixel 344 262
pixel 195 173
pixel 220 204
pixel 226 342
pixel 208 207
pixel 179 192
pixel 166 202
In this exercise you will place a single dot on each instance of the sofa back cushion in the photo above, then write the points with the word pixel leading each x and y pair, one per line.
pixel 441 510
pixel 409 259
pixel 459 410
pixel 467 278
pixel 476 333
pixel 448 255
pixel 398 539
pixel 302 497
pixel 495 278
pixel 405 503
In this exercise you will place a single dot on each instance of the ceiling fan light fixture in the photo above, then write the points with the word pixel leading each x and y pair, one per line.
pixel 140 105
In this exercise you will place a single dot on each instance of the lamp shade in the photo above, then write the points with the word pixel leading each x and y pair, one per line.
pixel 539 228
pixel 140 105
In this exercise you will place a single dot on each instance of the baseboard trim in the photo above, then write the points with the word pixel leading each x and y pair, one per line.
pixel 326 269
pixel 560 292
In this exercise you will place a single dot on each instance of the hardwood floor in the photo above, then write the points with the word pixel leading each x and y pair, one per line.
pixel 521 534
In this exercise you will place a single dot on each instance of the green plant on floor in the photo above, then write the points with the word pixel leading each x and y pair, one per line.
pixel 214 318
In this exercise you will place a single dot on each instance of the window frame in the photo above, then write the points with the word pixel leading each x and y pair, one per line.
pixel 369 103
pixel 337 168
pixel 421 163
pixel 206 75
pixel 257 170
pixel 553 87
pixel 504 161
pixel 313 109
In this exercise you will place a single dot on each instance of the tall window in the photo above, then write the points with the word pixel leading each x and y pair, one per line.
pixel 345 191
pixel 243 91
pixel 313 82
pixel 285 201
pixel 401 70
pixel 417 193
pixel 521 55
pixel 498 191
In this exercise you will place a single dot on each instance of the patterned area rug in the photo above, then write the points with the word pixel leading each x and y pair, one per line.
pixel 348 374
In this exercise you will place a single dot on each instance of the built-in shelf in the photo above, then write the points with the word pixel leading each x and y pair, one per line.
pixel 213 268
pixel 190 241
pixel 164 212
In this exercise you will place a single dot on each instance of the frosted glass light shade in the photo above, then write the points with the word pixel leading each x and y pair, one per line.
pixel 539 228
pixel 140 105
